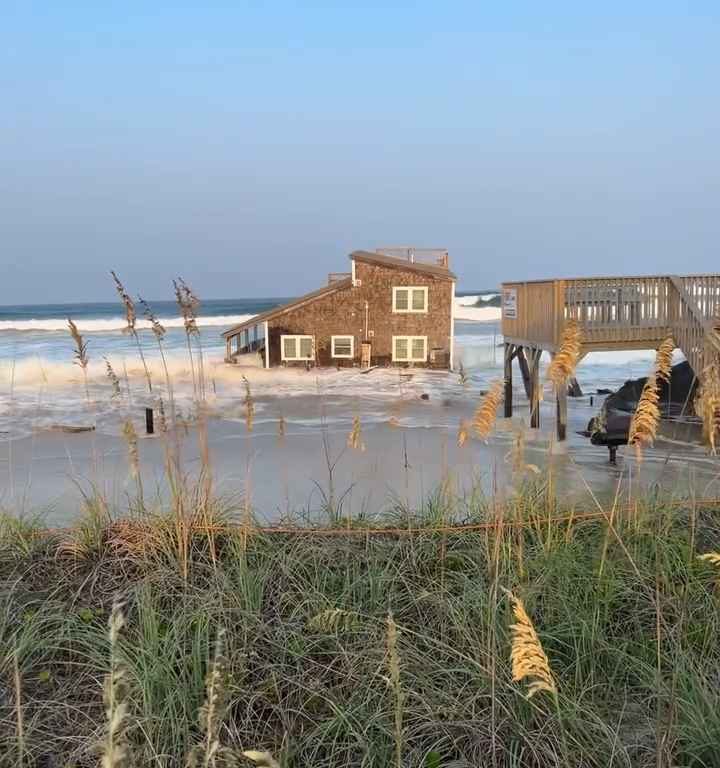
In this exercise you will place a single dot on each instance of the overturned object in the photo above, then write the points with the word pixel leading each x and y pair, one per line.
pixel 611 426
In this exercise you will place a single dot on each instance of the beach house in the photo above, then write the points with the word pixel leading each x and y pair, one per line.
pixel 394 307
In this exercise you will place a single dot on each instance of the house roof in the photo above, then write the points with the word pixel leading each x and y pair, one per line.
pixel 406 266
pixel 326 290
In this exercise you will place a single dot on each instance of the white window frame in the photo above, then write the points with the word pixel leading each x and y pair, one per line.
pixel 297 337
pixel 352 346
pixel 410 358
pixel 409 289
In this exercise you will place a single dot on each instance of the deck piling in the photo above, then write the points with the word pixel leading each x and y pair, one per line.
pixel 535 388
pixel 509 351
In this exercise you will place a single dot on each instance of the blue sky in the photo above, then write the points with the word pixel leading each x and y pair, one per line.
pixel 250 146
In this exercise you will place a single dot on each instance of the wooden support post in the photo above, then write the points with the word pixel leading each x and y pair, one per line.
pixel 525 371
pixel 508 381
pixel 562 394
pixel 535 388
pixel 574 389
pixel 149 421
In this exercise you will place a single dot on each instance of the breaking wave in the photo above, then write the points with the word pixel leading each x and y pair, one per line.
pixel 111 324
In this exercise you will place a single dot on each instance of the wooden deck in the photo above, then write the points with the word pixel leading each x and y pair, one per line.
pixel 615 313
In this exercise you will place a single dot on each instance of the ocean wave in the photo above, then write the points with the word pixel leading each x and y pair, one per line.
pixel 111 324
pixel 471 301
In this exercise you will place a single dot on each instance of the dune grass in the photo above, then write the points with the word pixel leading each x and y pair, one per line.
pixel 372 650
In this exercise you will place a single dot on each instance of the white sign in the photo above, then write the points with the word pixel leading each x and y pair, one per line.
pixel 509 303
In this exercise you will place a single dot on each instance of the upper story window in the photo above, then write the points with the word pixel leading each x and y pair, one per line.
pixel 297 347
pixel 410 298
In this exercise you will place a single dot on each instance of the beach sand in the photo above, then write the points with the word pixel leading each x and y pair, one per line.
pixel 45 473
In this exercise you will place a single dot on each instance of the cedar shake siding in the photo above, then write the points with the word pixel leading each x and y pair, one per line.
pixel 340 310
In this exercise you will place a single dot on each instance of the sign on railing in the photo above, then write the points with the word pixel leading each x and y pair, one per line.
pixel 509 303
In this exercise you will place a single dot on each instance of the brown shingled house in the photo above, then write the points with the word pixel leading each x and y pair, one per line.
pixel 395 307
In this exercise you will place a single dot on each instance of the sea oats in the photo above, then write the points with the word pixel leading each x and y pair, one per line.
pixel 189 305
pixel 263 759
pixel 486 412
pixel 249 404
pixel 131 439
pixel 645 420
pixel 528 658
pixel 463 434
pixel 130 313
pixel 162 417
pixel 115 747
pixel 212 712
pixel 81 357
pixel 663 359
pixel 131 320
pixel 563 365
pixel 333 620
pixel 707 405
pixel 391 641
pixel 112 378
pixel 354 439
pixel 711 557
pixel 157 327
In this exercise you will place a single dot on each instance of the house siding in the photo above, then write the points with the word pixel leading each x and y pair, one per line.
pixel 343 313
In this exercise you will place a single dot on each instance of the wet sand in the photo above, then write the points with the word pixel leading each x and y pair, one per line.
pixel 43 475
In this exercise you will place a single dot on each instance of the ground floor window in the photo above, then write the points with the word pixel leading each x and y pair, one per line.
pixel 297 347
pixel 409 349
pixel 342 346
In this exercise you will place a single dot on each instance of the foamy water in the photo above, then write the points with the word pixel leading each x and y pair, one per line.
pixel 102 325
pixel 41 388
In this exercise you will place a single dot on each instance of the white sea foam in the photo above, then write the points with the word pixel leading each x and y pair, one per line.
pixel 471 301
pixel 477 314
pixel 111 324
pixel 465 309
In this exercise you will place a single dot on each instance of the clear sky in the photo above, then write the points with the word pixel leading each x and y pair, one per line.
pixel 250 146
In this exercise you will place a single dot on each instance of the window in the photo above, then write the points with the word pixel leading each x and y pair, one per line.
pixel 297 347
pixel 410 299
pixel 342 346
pixel 409 349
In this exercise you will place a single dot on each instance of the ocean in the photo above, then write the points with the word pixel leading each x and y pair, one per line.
pixel 41 330
pixel 41 388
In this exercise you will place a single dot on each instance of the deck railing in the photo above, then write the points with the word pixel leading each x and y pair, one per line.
pixel 437 256
pixel 621 309
pixel 336 277
pixel 618 313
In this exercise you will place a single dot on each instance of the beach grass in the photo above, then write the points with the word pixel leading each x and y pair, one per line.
pixel 346 647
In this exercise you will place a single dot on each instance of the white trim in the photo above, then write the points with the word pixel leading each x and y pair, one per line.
pixel 409 289
pixel 352 346
pixel 410 358
pixel 452 324
pixel 267 345
pixel 352 263
pixel 297 337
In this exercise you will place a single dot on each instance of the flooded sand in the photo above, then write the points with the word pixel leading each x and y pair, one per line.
pixel 399 465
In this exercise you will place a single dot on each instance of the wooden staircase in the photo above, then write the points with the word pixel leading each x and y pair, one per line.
pixel 695 326
pixel 615 313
